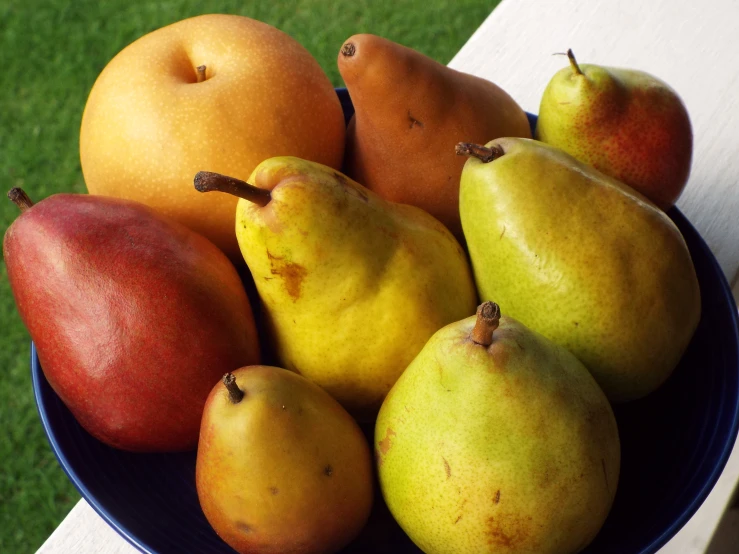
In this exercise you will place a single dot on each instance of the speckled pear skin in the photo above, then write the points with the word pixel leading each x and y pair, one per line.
pixel 625 123
pixel 582 259
pixel 149 126
pixel 352 285
pixel 500 449
pixel 284 471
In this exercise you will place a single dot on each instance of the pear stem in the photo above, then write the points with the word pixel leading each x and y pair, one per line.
pixel 200 70
pixel 488 317
pixel 207 181
pixel 573 62
pixel 348 50
pixel 20 198
pixel 482 153
pixel 234 392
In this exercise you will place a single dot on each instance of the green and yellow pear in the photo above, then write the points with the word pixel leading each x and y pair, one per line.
pixel 497 441
pixel 281 466
pixel 345 276
pixel 582 259
pixel 624 122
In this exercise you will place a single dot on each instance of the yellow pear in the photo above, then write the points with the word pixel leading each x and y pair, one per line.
pixel 581 258
pixel 281 467
pixel 497 441
pixel 352 285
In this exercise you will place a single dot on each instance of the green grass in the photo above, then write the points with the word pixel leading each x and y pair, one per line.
pixel 51 53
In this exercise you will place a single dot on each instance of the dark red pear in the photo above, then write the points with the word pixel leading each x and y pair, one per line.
pixel 134 316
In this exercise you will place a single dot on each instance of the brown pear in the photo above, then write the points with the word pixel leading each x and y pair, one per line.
pixel 410 112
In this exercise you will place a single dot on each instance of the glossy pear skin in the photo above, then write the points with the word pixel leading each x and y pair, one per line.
pixel 582 259
pixel 500 449
pixel 133 315
pixel 286 470
pixel 625 123
pixel 410 111
pixel 352 285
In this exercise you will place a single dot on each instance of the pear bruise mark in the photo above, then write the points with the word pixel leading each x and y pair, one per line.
pixel 496 498
pixel 507 531
pixel 385 444
pixel 243 527
pixel 447 469
pixel 460 507
pixel 292 274
pixel 503 233
pixel 274 491
pixel 328 471
pixel 413 121
pixel 605 474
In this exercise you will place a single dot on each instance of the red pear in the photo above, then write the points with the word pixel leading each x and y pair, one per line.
pixel 134 316
pixel 625 123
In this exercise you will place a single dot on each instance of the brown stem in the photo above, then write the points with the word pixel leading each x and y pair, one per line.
pixel 207 181
pixel 573 62
pixel 348 49
pixel 20 198
pixel 482 153
pixel 200 70
pixel 234 392
pixel 488 317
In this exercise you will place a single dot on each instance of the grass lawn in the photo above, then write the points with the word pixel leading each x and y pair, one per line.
pixel 52 51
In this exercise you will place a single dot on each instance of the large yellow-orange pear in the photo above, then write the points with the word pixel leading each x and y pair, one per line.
pixel 222 92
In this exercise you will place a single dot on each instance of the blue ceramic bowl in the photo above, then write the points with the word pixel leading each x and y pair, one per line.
pixel 675 444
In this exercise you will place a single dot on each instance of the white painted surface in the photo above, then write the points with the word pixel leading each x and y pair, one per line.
pixel 83 531
pixel 689 44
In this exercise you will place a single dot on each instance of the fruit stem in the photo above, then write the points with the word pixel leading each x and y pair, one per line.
pixel 488 317
pixel 20 198
pixel 348 49
pixel 234 392
pixel 207 181
pixel 482 153
pixel 200 70
pixel 573 62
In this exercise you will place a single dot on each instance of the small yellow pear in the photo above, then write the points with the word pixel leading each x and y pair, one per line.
pixel 281 466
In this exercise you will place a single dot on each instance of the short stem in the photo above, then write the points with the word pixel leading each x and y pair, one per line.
pixel 207 181
pixel 573 62
pixel 488 317
pixel 482 153
pixel 348 49
pixel 234 392
pixel 20 198
pixel 201 73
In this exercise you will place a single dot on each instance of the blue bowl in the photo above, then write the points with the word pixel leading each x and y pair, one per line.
pixel 675 444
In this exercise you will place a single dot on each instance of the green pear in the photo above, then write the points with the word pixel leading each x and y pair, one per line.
pixel 496 440
pixel 582 259
pixel 626 123
pixel 352 285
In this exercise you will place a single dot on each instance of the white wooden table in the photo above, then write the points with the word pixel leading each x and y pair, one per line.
pixel 690 44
